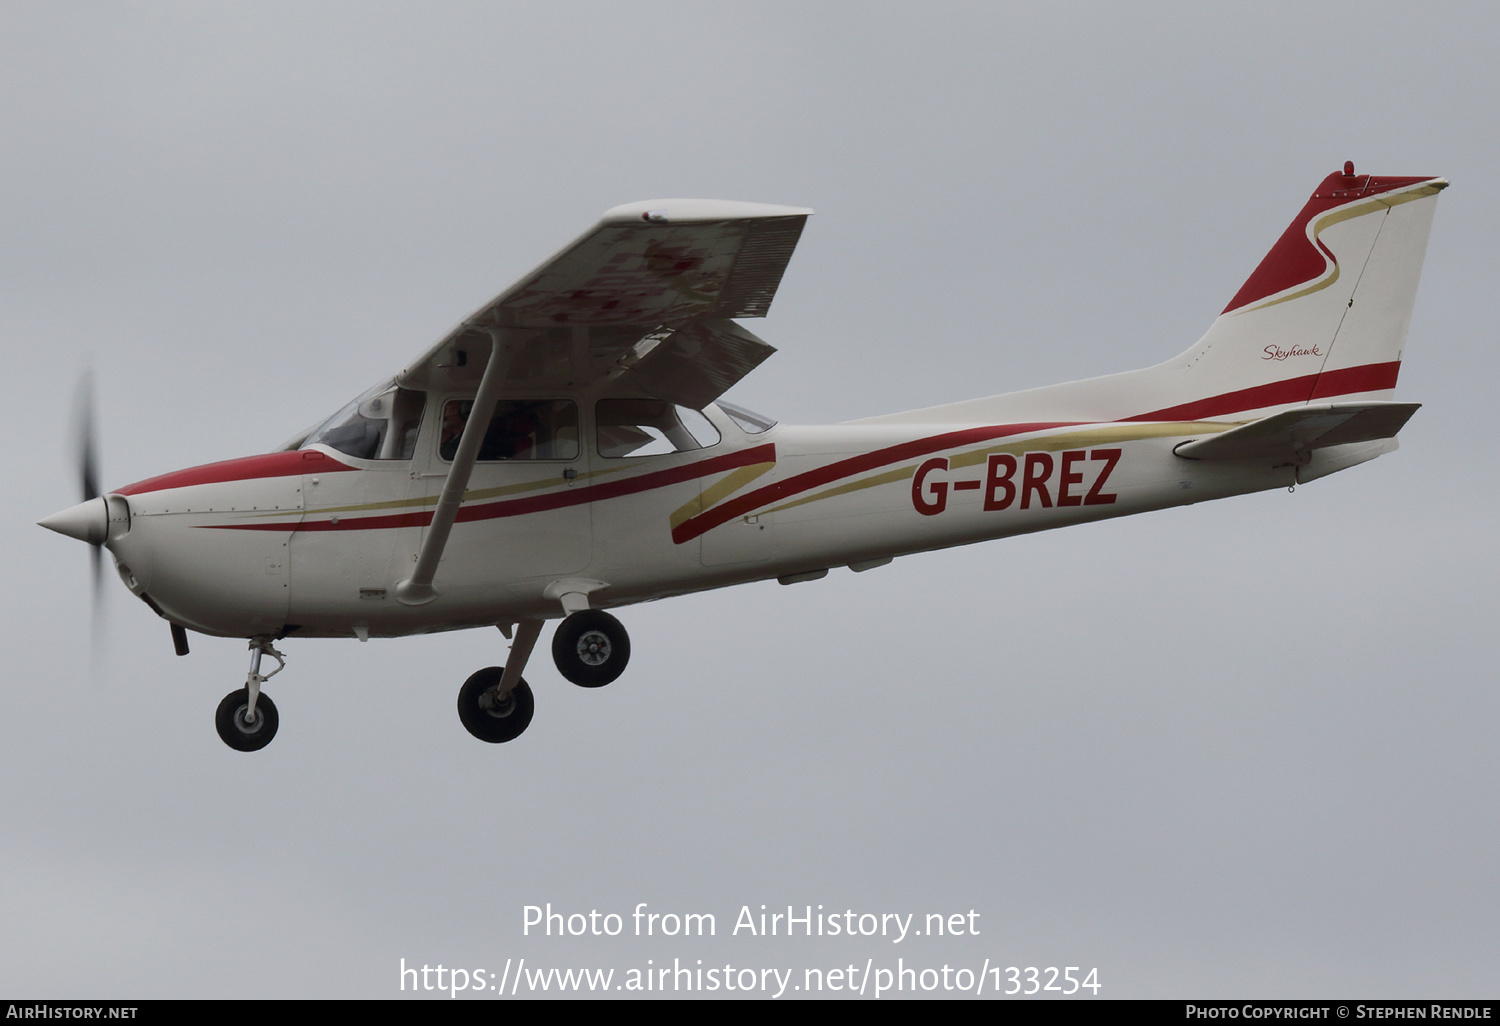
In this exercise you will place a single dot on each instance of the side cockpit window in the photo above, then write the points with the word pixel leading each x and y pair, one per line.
pixel 520 429
pixel 649 427
pixel 382 424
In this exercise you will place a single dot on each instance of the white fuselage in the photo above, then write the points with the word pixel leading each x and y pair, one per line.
pixel 312 543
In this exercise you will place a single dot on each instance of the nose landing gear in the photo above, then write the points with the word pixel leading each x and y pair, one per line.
pixel 246 719
pixel 242 729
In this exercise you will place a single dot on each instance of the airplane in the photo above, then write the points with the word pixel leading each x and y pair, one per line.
pixel 565 450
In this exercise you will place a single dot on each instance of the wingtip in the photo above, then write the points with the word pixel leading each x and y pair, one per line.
pixel 690 210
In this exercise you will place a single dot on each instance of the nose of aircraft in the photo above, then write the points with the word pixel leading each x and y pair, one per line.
pixel 88 521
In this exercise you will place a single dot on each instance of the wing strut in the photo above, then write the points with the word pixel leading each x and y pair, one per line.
pixel 417 589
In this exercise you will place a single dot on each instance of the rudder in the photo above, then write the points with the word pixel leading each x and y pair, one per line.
pixel 1325 314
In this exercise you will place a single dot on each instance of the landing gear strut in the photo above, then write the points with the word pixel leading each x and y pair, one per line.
pixel 495 704
pixel 246 719
pixel 591 648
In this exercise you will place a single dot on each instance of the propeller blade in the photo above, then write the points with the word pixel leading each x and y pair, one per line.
pixel 87 448
pixel 96 555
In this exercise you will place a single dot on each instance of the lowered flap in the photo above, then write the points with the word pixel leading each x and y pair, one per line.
pixel 1288 437
pixel 696 364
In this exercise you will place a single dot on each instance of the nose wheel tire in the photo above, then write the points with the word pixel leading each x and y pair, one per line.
pixel 489 717
pixel 240 732
pixel 591 648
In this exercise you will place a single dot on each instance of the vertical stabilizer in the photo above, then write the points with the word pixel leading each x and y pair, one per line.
pixel 1325 314
pixel 1323 317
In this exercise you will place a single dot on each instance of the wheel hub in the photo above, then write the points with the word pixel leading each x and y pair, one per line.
pixel 594 648
pixel 498 707
pixel 244 724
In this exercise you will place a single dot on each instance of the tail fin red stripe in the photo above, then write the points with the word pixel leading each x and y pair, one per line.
pixel 1295 258
pixel 1372 377
pixel 1369 378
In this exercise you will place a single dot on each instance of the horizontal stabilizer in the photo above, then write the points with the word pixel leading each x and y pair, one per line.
pixel 1288 437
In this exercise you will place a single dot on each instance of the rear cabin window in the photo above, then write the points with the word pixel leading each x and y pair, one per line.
pixel 750 422
pixel 649 427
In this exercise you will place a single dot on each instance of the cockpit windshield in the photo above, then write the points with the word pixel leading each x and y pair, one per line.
pixel 379 425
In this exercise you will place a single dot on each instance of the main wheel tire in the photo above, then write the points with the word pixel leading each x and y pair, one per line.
pixel 489 719
pixel 239 733
pixel 591 648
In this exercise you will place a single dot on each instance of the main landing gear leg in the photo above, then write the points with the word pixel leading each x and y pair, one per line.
pixel 495 704
pixel 246 719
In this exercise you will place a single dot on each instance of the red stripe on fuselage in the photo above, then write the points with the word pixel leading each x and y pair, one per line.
pixel 827 474
pixel 536 503
pixel 1372 377
pixel 246 468
pixel 1368 378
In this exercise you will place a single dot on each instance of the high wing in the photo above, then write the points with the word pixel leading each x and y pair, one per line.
pixel 639 305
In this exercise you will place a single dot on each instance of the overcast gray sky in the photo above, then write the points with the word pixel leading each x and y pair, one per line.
pixel 1238 749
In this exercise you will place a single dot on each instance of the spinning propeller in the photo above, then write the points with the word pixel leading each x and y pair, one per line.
pixel 89 520
pixel 87 446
